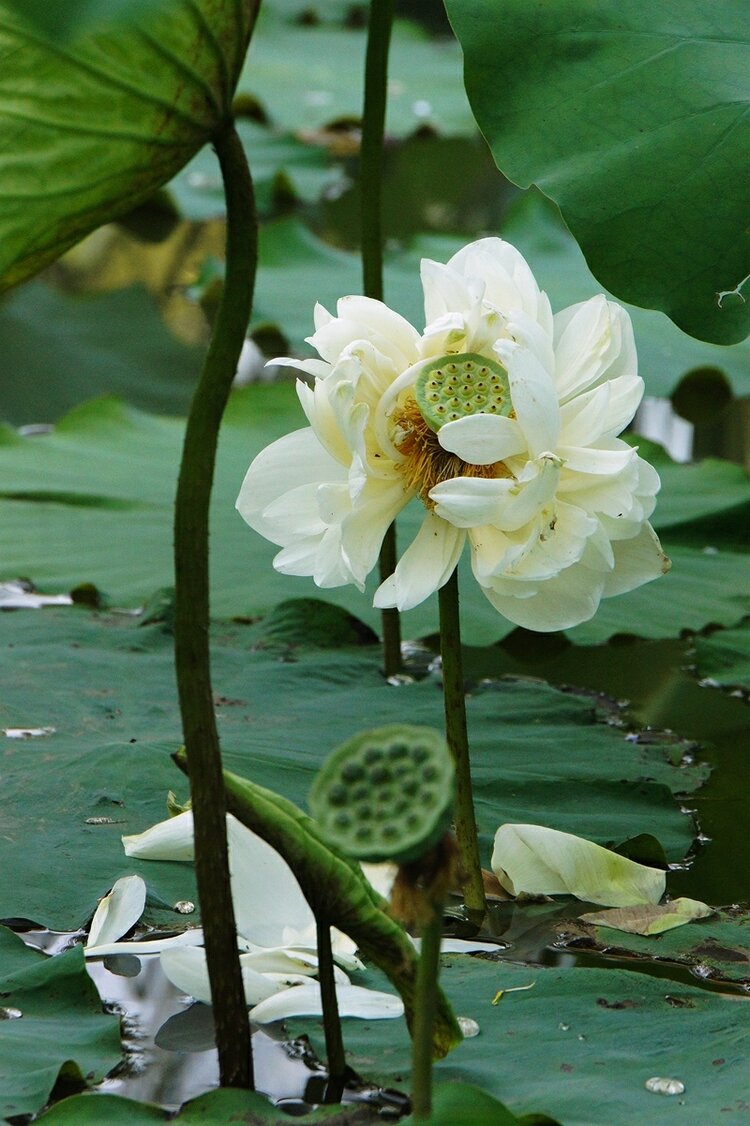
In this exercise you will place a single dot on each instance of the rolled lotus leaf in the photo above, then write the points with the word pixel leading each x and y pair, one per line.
pixel 386 794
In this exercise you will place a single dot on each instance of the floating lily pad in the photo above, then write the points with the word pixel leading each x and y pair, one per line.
pixel 724 657
pixel 107 687
pixel 579 1027
pixel 282 167
pixel 59 1033
pixel 224 1107
pixel 716 948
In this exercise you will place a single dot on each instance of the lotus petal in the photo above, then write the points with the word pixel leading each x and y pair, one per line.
pixel 534 860
pixel 117 912
pixel 304 1001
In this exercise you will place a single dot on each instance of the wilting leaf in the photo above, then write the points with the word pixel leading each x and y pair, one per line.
pixel 652 918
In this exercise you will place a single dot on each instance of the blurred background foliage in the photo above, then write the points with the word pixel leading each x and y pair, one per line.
pixel 147 281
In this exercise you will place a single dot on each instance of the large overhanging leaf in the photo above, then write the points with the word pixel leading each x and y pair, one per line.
pixel 91 129
pixel 64 21
pixel 633 117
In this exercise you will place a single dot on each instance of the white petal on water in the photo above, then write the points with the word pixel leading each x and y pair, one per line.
pixel 167 840
pixel 186 968
pixel 118 911
pixel 193 937
pixel 304 1000
pixel 27 732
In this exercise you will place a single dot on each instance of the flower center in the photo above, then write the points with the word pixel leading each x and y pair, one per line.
pixel 452 387
pixel 448 388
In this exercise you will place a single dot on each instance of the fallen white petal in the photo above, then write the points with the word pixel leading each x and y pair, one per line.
pixel 118 911
pixel 187 969
pixel 304 1001
pixel 193 937
pixel 535 860
pixel 168 840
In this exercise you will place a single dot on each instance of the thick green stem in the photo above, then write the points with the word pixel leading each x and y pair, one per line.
pixel 424 1015
pixel 371 191
pixel 455 728
pixel 192 616
pixel 331 1020
pixel 390 618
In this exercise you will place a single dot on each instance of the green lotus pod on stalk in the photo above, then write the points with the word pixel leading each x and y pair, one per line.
pixel 386 794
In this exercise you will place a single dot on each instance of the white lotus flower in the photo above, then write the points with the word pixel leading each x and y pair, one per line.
pixel 276 929
pixel 500 418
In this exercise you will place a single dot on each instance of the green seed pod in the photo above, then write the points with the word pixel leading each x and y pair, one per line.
pixel 453 387
pixel 379 824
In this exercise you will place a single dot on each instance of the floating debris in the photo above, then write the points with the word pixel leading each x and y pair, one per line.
pixel 104 821
pixel 22 596
pixel 468 1026
pixel 514 989
pixel 661 1086
pixel 27 732
pixel 9 1013
pixel 184 907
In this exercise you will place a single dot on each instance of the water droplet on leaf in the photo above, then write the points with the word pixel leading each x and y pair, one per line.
pixel 662 1086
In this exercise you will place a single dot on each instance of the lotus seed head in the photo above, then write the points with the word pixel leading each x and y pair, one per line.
pixel 352 772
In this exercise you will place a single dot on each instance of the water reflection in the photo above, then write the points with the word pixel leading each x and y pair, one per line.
pixel 169 1076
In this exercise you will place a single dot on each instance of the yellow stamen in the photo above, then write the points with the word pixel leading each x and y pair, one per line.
pixel 427 463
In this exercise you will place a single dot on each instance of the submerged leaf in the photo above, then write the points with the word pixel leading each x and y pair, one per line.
pixel 651 918
pixel 534 860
